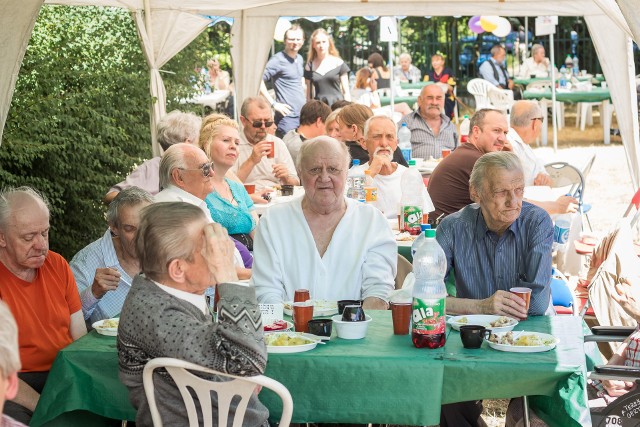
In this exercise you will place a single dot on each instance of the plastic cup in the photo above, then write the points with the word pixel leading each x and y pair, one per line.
pixel 302 313
pixel 251 188
pixel 445 152
pixel 271 153
pixel 473 335
pixel 524 293
pixel 401 315
pixel 301 295
pixel 603 85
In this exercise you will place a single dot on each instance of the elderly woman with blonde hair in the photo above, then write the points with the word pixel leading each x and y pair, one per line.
pixel 309 242
pixel 229 203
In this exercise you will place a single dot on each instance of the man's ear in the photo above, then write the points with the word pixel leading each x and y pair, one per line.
pixel 319 123
pixel 176 177
pixel 176 270
pixel 11 386
pixel 475 196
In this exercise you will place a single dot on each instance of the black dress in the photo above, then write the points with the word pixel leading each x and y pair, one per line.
pixel 382 82
pixel 327 86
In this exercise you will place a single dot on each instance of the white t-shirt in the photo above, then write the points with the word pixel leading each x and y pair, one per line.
pixel 390 191
pixel 262 173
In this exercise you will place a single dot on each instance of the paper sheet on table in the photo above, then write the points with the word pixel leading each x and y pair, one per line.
pixel 271 312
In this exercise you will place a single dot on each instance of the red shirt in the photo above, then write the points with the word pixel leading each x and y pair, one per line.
pixel 42 310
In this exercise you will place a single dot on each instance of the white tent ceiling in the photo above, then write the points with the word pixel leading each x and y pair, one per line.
pixel 166 26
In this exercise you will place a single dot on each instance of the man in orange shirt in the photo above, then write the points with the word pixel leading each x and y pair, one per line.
pixel 39 288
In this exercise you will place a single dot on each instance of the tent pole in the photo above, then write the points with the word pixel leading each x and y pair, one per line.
pixel 553 94
pixel 391 82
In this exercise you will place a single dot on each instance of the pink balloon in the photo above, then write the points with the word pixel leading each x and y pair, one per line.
pixel 474 25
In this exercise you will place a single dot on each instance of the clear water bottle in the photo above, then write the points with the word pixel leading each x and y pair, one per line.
pixel 420 240
pixel 428 317
pixel 370 188
pixel 355 182
pixel 563 77
pixel 561 230
pixel 352 80
pixel 411 201
pixel 576 66
pixel 464 130
pixel 404 141
pixel 568 63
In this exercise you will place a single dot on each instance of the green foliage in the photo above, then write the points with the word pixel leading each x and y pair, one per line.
pixel 79 117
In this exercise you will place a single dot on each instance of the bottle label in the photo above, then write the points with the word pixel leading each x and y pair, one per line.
pixel 464 139
pixel 406 153
pixel 411 219
pixel 371 194
pixel 561 233
pixel 428 316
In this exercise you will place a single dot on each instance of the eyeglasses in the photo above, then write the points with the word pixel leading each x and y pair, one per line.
pixel 537 118
pixel 206 169
pixel 258 123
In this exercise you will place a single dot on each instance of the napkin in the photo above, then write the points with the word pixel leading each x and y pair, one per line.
pixel 405 293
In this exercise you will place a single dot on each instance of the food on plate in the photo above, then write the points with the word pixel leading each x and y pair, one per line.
pixel 528 340
pixel 463 320
pixel 281 340
pixel 110 323
pixel 501 321
pixel 405 237
pixel 278 325
pixel 318 304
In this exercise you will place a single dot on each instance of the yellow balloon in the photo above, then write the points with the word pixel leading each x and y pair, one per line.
pixel 488 23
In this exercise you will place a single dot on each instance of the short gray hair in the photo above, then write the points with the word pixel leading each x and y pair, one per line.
pixel 496 49
pixel 405 55
pixel 176 127
pixel 9 195
pixel 9 354
pixel 259 102
pixel 131 196
pixel 161 236
pixel 535 48
pixel 485 165
pixel 172 159
pixel 367 124
pixel 310 146
pixel 522 112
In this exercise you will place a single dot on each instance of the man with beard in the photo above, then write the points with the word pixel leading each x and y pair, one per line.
pixel 431 130
pixel 263 159
pixel 39 288
pixel 104 270
pixel 381 140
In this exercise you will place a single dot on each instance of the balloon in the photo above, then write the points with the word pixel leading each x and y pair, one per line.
pixel 281 27
pixel 474 25
pixel 489 23
pixel 503 29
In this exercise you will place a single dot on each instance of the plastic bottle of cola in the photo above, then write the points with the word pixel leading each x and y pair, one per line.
pixel 411 201
pixel 428 317
pixel 464 129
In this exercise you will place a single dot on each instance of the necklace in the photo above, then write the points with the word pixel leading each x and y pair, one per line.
pixel 226 194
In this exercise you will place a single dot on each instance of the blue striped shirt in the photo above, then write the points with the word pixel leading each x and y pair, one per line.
pixel 485 263
pixel 99 254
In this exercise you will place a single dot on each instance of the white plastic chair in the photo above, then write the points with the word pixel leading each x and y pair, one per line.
pixel 479 88
pixel 501 99
pixel 243 387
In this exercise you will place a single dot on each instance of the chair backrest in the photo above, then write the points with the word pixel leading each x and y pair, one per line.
pixel 479 88
pixel 501 99
pixel 226 391
pixel 563 174
pixel 404 268
pixel 540 84
pixel 635 201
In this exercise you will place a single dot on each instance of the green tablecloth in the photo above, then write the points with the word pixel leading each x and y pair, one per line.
pixel 418 85
pixel 594 95
pixel 525 81
pixel 380 379
pixel 410 100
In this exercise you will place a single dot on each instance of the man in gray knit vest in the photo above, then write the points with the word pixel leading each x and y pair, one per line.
pixel 166 314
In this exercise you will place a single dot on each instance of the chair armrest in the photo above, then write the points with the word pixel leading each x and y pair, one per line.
pixel 618 331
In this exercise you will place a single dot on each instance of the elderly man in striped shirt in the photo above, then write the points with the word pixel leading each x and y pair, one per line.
pixel 431 129
pixel 497 243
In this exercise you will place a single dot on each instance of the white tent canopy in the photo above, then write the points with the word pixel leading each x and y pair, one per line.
pixel 166 26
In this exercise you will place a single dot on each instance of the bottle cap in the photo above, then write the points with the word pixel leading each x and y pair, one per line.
pixel 425 227
pixel 430 233
pixel 412 162
pixel 356 162
pixel 404 125
pixel 367 172
pixel 466 116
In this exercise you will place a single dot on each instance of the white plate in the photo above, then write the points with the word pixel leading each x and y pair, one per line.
pixel 524 348
pixel 289 349
pixel 111 332
pixel 482 320
pixel 288 328
pixel 320 308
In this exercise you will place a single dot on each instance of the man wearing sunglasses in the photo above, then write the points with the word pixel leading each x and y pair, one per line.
pixel 185 176
pixel 257 163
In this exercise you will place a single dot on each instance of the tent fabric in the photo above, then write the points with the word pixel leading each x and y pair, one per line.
pixel 170 32
pixel 610 25
pixel 16 21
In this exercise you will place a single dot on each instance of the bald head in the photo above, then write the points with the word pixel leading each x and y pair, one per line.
pixel 526 120
pixel 431 101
